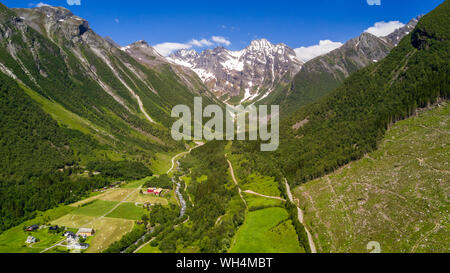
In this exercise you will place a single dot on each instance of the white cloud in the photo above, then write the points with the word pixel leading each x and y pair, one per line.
pixel 381 29
pixel 374 2
pixel 221 40
pixel 201 43
pixel 166 49
pixel 41 4
pixel 74 2
pixel 308 53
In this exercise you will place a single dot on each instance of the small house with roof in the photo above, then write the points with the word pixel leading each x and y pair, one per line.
pixel 86 232
pixel 31 240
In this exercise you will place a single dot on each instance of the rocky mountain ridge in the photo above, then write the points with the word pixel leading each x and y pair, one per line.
pixel 248 75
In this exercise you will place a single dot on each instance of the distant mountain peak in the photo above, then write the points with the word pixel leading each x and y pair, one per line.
pixel 251 73
pixel 261 43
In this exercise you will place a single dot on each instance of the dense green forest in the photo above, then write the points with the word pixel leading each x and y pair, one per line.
pixel 349 122
pixel 162 181
pixel 126 170
pixel 31 142
pixel 38 166
pixel 32 149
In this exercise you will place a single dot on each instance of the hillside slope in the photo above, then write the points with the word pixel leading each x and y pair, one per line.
pixel 58 55
pixel 397 196
pixel 74 104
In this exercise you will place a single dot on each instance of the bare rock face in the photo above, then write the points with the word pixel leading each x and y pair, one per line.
pixel 396 36
pixel 251 73
pixel 61 26
pixel 49 20
pixel 145 54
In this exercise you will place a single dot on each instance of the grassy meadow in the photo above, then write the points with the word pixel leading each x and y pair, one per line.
pixel 267 231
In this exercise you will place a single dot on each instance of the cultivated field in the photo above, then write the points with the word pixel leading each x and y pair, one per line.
pixel 112 214
pixel 128 211
pixel 397 196
pixel 108 230
pixel 96 209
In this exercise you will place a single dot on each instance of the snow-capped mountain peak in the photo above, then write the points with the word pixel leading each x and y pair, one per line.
pixel 251 73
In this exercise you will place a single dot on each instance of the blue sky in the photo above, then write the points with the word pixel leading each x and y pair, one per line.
pixel 296 23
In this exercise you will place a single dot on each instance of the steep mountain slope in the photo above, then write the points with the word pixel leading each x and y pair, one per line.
pixel 137 87
pixel 142 52
pixel 75 104
pixel 245 76
pixel 396 196
pixel 321 75
pixel 31 141
pixel 32 148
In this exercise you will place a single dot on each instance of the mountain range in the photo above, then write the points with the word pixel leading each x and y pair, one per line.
pixel 272 74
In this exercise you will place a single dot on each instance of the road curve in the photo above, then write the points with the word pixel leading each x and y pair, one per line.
pixel 199 144
pixel 265 196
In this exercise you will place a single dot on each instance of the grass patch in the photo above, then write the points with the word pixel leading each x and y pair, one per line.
pixel 149 249
pixel 60 114
pixel 186 179
pixel 96 209
pixel 265 185
pixel 137 197
pixel 267 231
pixel 128 211
pixel 202 179
pixel 162 163
pixel 255 202
pixel 14 241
